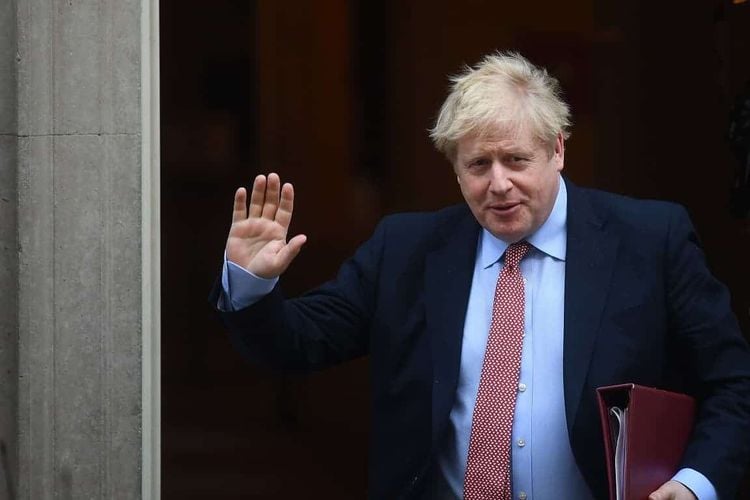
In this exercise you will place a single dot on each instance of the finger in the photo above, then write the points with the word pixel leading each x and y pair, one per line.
pixel 239 212
pixel 287 254
pixel 673 490
pixel 257 196
pixel 665 492
pixel 286 206
pixel 271 203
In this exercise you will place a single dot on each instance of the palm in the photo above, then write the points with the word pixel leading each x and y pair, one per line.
pixel 257 238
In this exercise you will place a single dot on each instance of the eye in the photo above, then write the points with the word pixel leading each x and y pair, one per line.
pixel 478 162
pixel 517 161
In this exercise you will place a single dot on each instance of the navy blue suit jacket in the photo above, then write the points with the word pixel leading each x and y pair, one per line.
pixel 640 306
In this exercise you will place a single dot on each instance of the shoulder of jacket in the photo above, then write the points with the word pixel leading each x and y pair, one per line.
pixel 630 211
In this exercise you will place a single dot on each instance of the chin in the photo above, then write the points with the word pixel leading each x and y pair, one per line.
pixel 506 236
pixel 509 232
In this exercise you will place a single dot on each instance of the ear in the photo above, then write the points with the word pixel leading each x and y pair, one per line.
pixel 458 179
pixel 558 154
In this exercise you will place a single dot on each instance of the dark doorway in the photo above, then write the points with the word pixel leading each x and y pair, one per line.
pixel 336 96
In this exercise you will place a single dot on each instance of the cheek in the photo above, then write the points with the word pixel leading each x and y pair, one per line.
pixel 476 193
pixel 462 187
pixel 468 188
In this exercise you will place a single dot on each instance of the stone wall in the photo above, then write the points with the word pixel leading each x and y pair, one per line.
pixel 70 247
pixel 8 253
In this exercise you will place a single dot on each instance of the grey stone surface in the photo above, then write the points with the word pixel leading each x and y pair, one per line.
pixel 7 68
pixel 36 415
pixel 35 39
pixel 80 71
pixel 80 350
pixel 122 86
pixel 8 254
pixel 78 245
pixel 8 317
pixel 122 359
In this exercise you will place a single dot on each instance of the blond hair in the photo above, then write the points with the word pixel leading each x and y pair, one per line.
pixel 506 91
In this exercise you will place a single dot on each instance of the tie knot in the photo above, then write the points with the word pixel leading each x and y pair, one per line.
pixel 515 252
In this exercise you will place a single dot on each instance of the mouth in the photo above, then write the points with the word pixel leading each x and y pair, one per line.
pixel 505 208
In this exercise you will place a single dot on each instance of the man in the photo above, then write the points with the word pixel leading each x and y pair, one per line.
pixel 489 325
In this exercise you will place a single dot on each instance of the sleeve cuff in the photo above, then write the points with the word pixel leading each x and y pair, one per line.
pixel 241 288
pixel 697 483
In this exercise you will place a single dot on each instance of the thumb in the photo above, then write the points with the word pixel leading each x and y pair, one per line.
pixel 667 491
pixel 672 490
pixel 660 494
pixel 289 251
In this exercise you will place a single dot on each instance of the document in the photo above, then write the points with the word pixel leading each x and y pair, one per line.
pixel 645 433
pixel 619 429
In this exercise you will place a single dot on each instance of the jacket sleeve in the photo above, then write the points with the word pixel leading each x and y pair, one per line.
pixel 713 352
pixel 325 326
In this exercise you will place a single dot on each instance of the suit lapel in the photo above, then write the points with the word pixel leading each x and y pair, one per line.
pixel 448 274
pixel 590 260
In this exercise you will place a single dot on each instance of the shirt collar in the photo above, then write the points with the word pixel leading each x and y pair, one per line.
pixel 550 238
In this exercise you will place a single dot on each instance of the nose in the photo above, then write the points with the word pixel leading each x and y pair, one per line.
pixel 500 181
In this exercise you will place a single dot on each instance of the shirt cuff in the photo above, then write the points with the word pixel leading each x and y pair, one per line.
pixel 241 288
pixel 697 483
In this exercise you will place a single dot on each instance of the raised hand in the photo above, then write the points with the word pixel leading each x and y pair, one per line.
pixel 257 238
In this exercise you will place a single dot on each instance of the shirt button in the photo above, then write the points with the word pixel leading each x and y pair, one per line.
pixel 521 443
pixel 521 387
pixel 522 495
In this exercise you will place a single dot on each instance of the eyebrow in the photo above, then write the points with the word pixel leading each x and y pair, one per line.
pixel 512 150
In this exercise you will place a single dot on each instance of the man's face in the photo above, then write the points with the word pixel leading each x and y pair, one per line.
pixel 509 181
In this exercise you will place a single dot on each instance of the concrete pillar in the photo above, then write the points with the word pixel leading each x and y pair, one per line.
pixel 71 255
pixel 8 253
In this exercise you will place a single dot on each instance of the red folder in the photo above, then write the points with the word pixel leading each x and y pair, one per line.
pixel 658 425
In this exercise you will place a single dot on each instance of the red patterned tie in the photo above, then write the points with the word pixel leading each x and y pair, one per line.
pixel 488 467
